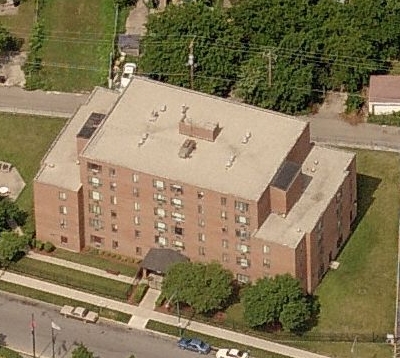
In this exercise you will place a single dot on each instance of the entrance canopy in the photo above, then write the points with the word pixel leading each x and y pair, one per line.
pixel 158 260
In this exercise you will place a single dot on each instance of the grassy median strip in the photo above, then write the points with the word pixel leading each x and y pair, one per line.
pixel 96 260
pixel 213 341
pixel 60 301
pixel 71 278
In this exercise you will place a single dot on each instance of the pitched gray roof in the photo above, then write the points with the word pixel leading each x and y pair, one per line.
pixel 159 260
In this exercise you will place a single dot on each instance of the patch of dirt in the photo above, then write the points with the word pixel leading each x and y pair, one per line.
pixel 332 107
pixel 12 70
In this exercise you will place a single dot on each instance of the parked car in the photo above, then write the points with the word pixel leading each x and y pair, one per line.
pixel 128 71
pixel 80 313
pixel 195 345
pixel 231 353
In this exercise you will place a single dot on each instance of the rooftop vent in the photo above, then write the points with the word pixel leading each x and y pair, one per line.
pixel 187 148
pixel 184 108
pixel 143 139
pixel 313 170
pixel 230 161
pixel 316 162
pixel 154 116
pixel 163 108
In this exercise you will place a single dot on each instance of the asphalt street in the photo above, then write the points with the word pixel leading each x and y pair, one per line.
pixel 105 339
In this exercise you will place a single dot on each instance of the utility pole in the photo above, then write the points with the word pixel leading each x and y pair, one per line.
pixel 269 68
pixel 191 63
pixel 33 336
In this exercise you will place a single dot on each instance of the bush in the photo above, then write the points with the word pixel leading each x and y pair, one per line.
pixel 392 119
pixel 39 245
pixel 141 290
pixel 49 247
pixel 354 102
pixel 160 300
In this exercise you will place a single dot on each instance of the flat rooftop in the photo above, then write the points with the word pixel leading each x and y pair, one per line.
pixel 60 167
pixel 255 163
pixel 325 178
pixel 384 88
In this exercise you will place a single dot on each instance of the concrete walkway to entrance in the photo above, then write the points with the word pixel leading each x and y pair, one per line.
pixel 141 314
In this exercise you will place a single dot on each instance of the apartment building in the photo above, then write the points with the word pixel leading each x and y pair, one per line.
pixel 163 167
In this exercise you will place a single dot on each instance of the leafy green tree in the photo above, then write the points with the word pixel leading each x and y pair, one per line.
pixel 11 244
pixel 82 352
pixel 10 211
pixel 273 300
pixel 8 42
pixel 205 287
pixel 169 36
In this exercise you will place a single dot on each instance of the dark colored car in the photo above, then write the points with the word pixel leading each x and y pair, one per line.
pixel 195 345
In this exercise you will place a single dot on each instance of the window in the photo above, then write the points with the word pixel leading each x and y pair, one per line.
pixel 95 209
pixel 320 225
pixel 135 178
pixel 242 262
pixel 200 209
pixel 114 227
pixel 113 214
pixel 95 182
pixel 200 195
pixel 178 203
pixel 137 234
pixel 266 249
pixel 97 240
pixel 96 223
pixel 223 201
pixel 135 192
pixel 62 195
pixel 242 233
pixel 177 189
pixel 158 184
pixel 242 278
pixel 178 217
pixel 63 210
pixel 224 229
pixel 241 206
pixel 224 215
pixel 178 243
pixel 136 206
pixel 138 251
pixel 202 251
pixel 320 237
pixel 239 219
pixel 225 243
pixel 115 244
pixel 339 195
pixel 113 186
pixel 95 195
pixel 95 168
pixel 64 240
pixel 243 248
pixel 113 199
pixel 160 198
pixel 178 230
pixel 160 212
pixel 161 240
pixel 63 223
pixel 201 236
pixel 266 263
pixel 136 220
pixel 112 172
pixel 160 226
pixel 202 223
pixel 225 258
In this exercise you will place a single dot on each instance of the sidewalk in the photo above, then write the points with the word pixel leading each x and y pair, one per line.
pixel 141 314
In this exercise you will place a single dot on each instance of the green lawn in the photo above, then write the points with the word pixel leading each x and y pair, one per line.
pixel 71 278
pixel 102 262
pixel 78 42
pixel 23 142
pixel 20 25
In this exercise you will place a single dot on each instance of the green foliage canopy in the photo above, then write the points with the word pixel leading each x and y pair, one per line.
pixel 82 352
pixel 204 287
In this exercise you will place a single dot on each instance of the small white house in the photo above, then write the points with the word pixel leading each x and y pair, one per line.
pixel 384 94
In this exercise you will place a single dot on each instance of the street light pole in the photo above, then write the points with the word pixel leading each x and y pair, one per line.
pixel 33 335
pixel 179 316
pixel 52 340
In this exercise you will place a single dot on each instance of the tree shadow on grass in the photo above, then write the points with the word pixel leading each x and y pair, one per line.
pixel 366 187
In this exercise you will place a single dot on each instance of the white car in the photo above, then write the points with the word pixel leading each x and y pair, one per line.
pixel 231 353
pixel 127 73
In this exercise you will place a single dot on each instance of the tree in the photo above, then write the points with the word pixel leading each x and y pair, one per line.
pixel 11 244
pixel 8 42
pixel 82 352
pixel 205 287
pixel 169 36
pixel 10 211
pixel 278 300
